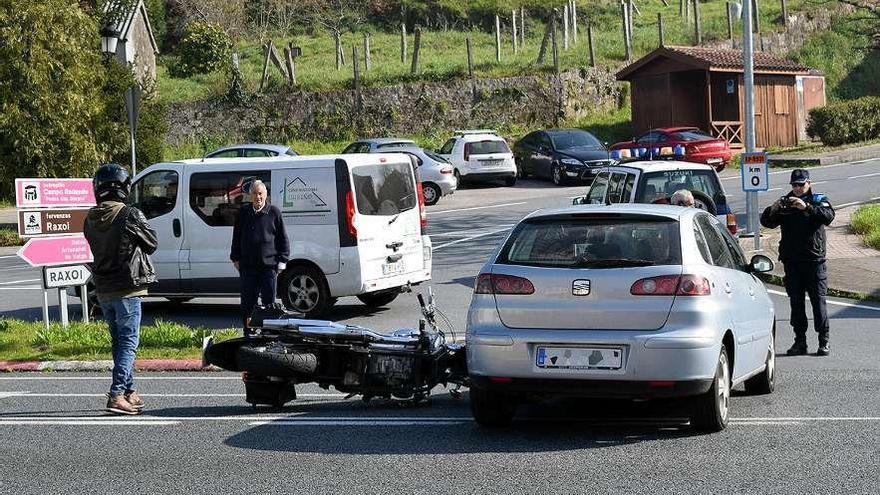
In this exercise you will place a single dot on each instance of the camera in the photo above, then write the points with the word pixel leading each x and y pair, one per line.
pixel 786 204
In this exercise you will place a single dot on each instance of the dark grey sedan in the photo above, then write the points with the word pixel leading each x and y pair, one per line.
pixel 561 155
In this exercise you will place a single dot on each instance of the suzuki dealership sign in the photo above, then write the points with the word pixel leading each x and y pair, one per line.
pixel 49 193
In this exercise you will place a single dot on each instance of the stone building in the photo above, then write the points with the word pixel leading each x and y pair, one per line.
pixel 137 45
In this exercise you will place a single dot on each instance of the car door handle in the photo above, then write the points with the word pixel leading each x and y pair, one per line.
pixel 175 227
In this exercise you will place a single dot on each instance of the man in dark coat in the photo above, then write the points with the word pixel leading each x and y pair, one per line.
pixel 260 250
pixel 803 216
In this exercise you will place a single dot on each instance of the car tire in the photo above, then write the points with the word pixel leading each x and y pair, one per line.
pixel 458 180
pixel 764 383
pixel 379 298
pixel 304 289
pixel 709 204
pixel 264 361
pixel 492 409
pixel 557 175
pixel 431 193
pixel 711 411
pixel 510 181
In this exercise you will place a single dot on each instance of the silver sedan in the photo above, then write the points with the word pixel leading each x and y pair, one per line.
pixel 627 301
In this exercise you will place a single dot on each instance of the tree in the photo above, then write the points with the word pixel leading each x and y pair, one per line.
pixel 335 16
pixel 866 21
pixel 61 110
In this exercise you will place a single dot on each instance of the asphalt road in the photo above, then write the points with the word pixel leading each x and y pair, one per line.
pixel 818 433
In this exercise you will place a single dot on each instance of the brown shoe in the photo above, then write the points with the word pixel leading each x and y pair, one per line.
pixel 118 405
pixel 135 400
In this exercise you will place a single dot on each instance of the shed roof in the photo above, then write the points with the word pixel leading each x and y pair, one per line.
pixel 126 21
pixel 715 59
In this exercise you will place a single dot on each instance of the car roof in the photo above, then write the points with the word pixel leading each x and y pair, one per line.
pixel 378 141
pixel 676 129
pixel 293 161
pixel 470 138
pixel 280 148
pixel 663 165
pixel 664 211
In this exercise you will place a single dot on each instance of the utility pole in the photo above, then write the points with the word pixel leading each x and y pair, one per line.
pixel 749 117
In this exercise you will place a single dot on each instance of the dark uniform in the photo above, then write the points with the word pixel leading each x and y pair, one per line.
pixel 802 252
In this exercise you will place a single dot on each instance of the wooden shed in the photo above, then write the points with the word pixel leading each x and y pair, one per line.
pixel 703 87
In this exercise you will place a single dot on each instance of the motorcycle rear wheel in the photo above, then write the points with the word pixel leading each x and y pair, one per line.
pixel 262 361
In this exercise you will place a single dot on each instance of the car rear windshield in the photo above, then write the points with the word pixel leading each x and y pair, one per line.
pixel 597 242
pixel 487 147
pixel 692 135
pixel 661 185
pixel 384 189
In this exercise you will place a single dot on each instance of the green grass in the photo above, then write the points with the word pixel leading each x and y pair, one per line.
pixel 866 222
pixel 27 340
pixel 443 55
pixel 6 203
pixel 9 237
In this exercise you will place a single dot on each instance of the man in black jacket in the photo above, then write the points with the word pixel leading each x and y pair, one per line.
pixel 121 240
pixel 803 216
pixel 260 250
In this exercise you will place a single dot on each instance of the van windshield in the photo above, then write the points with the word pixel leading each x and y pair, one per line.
pixel 384 189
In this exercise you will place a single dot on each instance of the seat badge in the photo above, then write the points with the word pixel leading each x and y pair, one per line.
pixel 580 287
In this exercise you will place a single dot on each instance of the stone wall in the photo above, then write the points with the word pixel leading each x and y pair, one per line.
pixel 404 109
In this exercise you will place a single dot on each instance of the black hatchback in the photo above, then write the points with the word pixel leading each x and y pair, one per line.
pixel 561 155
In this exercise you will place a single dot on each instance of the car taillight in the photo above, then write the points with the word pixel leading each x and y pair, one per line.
pixel 467 151
pixel 423 215
pixel 488 283
pixel 349 214
pixel 731 223
pixel 669 285
pixel 446 171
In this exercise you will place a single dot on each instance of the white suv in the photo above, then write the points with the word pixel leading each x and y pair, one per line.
pixel 480 155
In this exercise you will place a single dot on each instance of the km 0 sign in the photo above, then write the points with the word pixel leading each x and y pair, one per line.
pixel 65 276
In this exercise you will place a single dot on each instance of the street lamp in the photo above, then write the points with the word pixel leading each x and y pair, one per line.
pixel 109 39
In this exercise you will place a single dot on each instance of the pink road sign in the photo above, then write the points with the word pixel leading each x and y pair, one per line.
pixel 35 193
pixel 47 251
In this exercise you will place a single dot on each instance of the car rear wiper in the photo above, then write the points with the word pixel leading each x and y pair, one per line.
pixel 611 263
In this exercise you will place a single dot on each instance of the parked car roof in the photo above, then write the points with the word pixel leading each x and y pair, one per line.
pixel 277 148
pixel 664 165
pixel 379 141
pixel 673 212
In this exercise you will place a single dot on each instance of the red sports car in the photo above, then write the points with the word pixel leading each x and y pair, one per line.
pixel 699 147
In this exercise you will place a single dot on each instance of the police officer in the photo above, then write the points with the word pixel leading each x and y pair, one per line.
pixel 803 215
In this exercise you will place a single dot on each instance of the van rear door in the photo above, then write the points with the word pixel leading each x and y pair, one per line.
pixel 387 218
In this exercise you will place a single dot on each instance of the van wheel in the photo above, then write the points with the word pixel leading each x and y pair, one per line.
pixel 379 298
pixel 711 410
pixel 304 289
pixel 431 192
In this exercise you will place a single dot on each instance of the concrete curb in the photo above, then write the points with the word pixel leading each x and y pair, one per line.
pixel 106 365
pixel 829 158
pixel 778 280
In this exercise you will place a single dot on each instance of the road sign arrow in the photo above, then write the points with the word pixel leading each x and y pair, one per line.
pixel 65 276
pixel 47 251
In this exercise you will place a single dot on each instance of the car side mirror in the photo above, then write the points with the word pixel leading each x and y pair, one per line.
pixel 760 264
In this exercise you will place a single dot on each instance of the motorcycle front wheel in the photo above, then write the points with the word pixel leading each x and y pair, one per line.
pixel 266 361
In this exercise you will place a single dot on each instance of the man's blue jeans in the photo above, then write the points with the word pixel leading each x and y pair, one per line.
pixel 123 315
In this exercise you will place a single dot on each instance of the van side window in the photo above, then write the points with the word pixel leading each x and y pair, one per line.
pixel 447 147
pixel 597 190
pixel 616 188
pixel 216 196
pixel 155 194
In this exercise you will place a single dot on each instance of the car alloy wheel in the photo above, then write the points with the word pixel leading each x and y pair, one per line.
pixel 712 408
pixel 303 292
pixel 557 173
pixel 431 193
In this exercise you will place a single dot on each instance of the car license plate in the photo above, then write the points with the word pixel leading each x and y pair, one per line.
pixel 713 160
pixel 392 268
pixel 580 358
pixel 491 163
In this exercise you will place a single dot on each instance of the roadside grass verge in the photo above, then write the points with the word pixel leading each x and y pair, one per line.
pixel 9 238
pixel 29 340
pixel 866 222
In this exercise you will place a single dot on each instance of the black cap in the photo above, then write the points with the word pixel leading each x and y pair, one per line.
pixel 799 176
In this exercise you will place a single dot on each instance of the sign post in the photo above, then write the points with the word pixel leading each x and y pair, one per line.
pixel 749 117
pixel 52 213
pixel 755 177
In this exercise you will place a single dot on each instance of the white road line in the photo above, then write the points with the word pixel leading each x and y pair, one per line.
pixel 32 394
pixel 107 378
pixel 774 189
pixel 450 243
pixel 864 175
pixel 293 417
pixel 114 422
pixel 765 423
pixel 4 395
pixel 28 287
pixel 815 418
pixel 837 303
pixel 476 208
pixel 20 281
pixel 10 256
pixel 356 423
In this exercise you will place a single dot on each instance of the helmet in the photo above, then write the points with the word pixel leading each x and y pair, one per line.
pixel 111 182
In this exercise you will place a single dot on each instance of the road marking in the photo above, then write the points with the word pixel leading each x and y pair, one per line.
pixel 10 256
pixel 20 288
pixel 113 422
pixel 107 378
pixel 20 281
pixel 774 189
pixel 765 423
pixel 355 422
pixel 814 419
pixel 32 394
pixel 477 208
pixel 864 175
pixel 441 246
pixel 837 303
pixel 4 395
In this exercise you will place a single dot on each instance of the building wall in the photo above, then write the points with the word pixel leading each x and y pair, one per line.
pixel 775 111
pixel 137 50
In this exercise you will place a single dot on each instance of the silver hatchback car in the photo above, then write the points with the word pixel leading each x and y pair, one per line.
pixel 623 301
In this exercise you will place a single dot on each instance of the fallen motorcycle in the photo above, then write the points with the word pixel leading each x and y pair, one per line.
pixel 283 351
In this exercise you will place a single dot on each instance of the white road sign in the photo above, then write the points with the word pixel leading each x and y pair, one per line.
pixel 755 176
pixel 65 276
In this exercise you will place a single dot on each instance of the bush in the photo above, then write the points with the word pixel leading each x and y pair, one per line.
pixel 846 122
pixel 866 221
pixel 204 49
pixel 9 237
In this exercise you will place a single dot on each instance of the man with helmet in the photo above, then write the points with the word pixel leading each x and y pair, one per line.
pixel 121 240
pixel 803 216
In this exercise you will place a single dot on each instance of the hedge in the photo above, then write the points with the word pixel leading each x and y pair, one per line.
pixel 846 122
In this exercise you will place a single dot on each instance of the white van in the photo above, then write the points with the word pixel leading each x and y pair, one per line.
pixel 357 226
